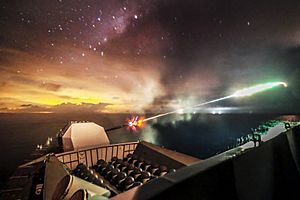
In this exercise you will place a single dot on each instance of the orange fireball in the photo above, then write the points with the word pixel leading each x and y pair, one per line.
pixel 135 122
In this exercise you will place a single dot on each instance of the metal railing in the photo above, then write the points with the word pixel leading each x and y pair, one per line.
pixel 90 156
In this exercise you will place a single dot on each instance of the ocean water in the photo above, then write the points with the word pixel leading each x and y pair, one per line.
pixel 199 135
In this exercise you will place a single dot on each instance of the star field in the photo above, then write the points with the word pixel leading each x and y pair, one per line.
pixel 137 56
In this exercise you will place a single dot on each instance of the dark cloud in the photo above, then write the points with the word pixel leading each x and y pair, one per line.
pixel 3 83
pixel 224 42
pixel 50 86
pixel 22 79
pixel 5 110
pixel 26 105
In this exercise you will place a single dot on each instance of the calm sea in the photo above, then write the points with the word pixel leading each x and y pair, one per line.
pixel 200 135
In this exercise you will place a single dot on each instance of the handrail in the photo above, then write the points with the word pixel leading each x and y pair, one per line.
pixel 89 156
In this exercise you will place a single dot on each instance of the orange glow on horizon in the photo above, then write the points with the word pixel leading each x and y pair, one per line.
pixel 30 83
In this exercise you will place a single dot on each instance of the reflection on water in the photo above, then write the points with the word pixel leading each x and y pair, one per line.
pixel 200 135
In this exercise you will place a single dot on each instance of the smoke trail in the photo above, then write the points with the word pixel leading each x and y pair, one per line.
pixel 240 93
pixel 138 122
pixel 188 107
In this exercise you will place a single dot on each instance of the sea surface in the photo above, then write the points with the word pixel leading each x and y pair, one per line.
pixel 199 135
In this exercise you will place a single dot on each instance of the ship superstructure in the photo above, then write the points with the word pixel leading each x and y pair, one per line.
pixel 85 165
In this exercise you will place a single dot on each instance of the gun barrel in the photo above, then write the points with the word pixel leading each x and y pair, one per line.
pixel 116 127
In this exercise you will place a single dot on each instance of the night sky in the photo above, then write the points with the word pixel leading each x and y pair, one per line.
pixel 147 55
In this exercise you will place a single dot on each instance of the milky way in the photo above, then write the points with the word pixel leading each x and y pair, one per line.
pixel 136 56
